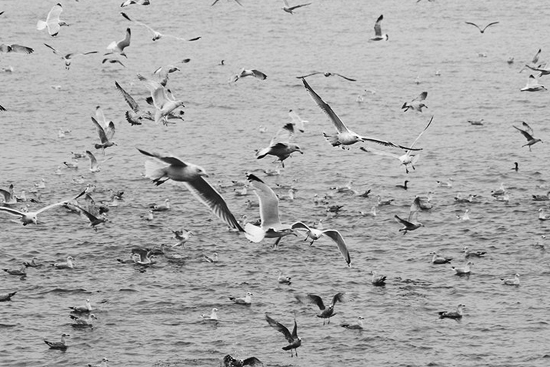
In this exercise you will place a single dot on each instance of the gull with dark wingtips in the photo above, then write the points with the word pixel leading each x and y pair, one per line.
pixel 246 300
pixel 326 74
pixel 527 132
pixel 481 30
pixel 136 115
pixel 280 145
pixel 416 104
pixel 105 135
pixel 344 136
pixel 30 217
pixel 289 9
pixel 52 22
pixel 118 47
pixel 378 36
pixel 58 345
pixel 533 85
pixel 244 73
pixel 409 224
pixel 7 48
pixel 165 167
pixel 68 58
pixel 163 99
pixel 293 339
pixel 157 35
pixel 314 234
pixel 453 314
pixel 326 312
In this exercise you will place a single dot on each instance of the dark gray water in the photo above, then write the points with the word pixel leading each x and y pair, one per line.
pixel 153 318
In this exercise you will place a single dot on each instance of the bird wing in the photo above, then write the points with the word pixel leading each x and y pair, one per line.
pixel 488 25
pixel 92 218
pixel 21 49
pixel 379 152
pixel 11 211
pixel 283 135
pixel 100 116
pixel 137 22
pixel 339 240
pixel 415 208
pixel 269 203
pixel 171 160
pixel 402 221
pixel 310 74
pixel 340 127
pixel 300 225
pixel 258 74
pixel 285 3
pixel 110 130
pixel 50 207
pixel 527 128
pixel 93 160
pixel 312 298
pixel 279 327
pixel 100 131
pixel 157 91
pixel 415 140
pixel 206 194
pixel 128 98
pixel 386 143
pixel 345 77
pixel 524 133
pixel 421 97
pixel 338 297
pixel 299 6
pixel 297 120
pixel 126 41
pixel 51 48
pixel 55 13
pixel 295 330
pixel 378 27
pixel 475 25
pixel 536 57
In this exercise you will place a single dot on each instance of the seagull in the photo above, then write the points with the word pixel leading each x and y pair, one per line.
pixel 280 145
pixel 447 184
pixel 156 35
pixel 213 259
pixel 247 300
pixel 83 321
pixel 30 217
pixel 326 312
pixel 283 279
pixel 289 9
pixel 326 74
pixel 452 314
pixel 32 263
pixel 58 345
pixel 476 122
pixel 53 23
pixel 436 259
pixel 468 253
pixel 137 2
pixel 22 271
pixel 482 30
pixel 163 99
pixel 297 121
pixel 181 235
pixel 464 216
pixel 94 166
pixel 212 317
pixel 6 296
pixel 65 265
pixel 344 136
pixel 94 220
pixel 104 360
pixel 229 361
pixel 293 339
pixel 512 281
pixel 118 47
pixel 68 58
pixel 527 132
pixel 542 215
pixel 244 73
pixel 164 208
pixel 136 115
pixel 382 202
pixel 378 36
pixel 314 234
pixel 416 104
pixel 532 85
pixel 163 73
pixel 15 48
pixel 409 225
pixel 542 70
pixel 358 326
pixel 372 212
pixel 535 61
pixel 105 135
pixel 163 168
pixel 82 309
pixel 271 226
pixel 8 196
pixel 465 270
pixel 378 280
pixel 237 1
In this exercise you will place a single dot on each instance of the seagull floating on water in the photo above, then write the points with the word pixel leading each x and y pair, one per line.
pixel 465 270
pixel 528 134
pixel 246 301
pixel 4 297
pixel 58 345
pixel 83 321
pixel 453 314
pixel 437 259
pixel 213 316
pixel 378 280
pixel 468 253
pixel 65 265
pixel 293 339
pixel 511 281
pixel 358 326
pixel 22 271
pixel 53 23
pixel 283 279
pixel 165 167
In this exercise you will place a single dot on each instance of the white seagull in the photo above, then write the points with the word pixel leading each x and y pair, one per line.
pixel 163 100
pixel 408 224
pixel 378 36
pixel 118 47
pixel 271 226
pixel 247 300
pixel 297 121
pixel 326 74
pixel 244 73
pixel 314 234
pixel 407 159
pixel 15 48
pixel 165 167
pixel 512 281
pixel 94 166
pixel 68 58
pixel 105 135
pixel 344 136
pixel 280 145
pixel 212 317
pixel 136 115
pixel 53 23
pixel 30 217
pixel 157 35
pixel 532 85
pixel 416 104
pixel 528 134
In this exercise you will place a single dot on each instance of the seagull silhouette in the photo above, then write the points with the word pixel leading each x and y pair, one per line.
pixel 482 30
pixel 293 339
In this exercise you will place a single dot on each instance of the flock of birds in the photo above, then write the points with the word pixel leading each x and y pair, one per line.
pixel 165 108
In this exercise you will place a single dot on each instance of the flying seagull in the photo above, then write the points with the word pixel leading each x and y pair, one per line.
pixel 280 145
pixel 30 217
pixel 229 361
pixel 136 115
pixel 378 36
pixel 118 47
pixel 326 74
pixel 289 8
pixel 270 225
pixel 53 23
pixel 408 224
pixel 407 159
pixel 528 133
pixel 416 104
pixel 314 234
pixel 532 85
pixel 344 136
pixel 244 73
pixel 164 167
pixel 156 35
pixel 237 1
pixel 163 99
pixel 105 135
pixel 293 339
pixel 137 2
pixel 325 312
pixel 481 30
pixel 68 58
pixel 15 48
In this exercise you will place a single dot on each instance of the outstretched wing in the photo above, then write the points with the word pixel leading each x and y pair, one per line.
pixel 475 25
pixel 128 98
pixel 524 133
pixel 174 161
pixel 51 48
pixel 427 126
pixel 421 97
pixel 378 27
pixel 488 25
pixel 284 134
pixel 338 124
pixel 339 240
pixel 345 77
pixel 100 131
pixel 269 203
pixel 279 327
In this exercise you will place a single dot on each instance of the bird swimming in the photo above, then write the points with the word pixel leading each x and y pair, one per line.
pixel 58 345
pixel 453 314
pixel 246 301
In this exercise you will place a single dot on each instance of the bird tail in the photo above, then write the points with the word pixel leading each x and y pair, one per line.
pixel 155 171
pixel 253 233
pixel 41 25
pixel 332 139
